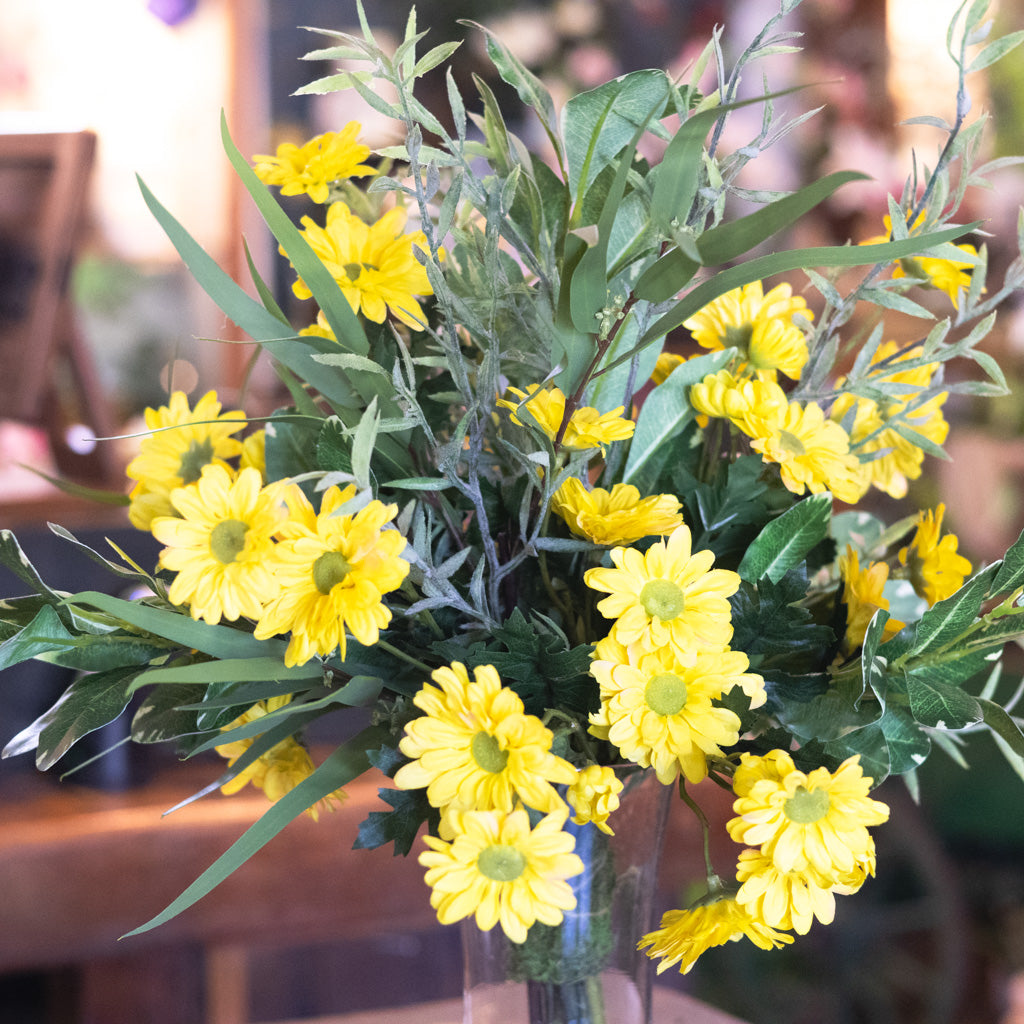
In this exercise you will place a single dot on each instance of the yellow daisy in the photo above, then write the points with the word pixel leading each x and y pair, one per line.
pixel 937 570
pixel 475 746
pixel 666 363
pixel 740 400
pixel 374 264
pixel 812 453
pixel 894 459
pixel 685 934
pixel 182 442
pixel 221 545
pixel 254 452
pixel 587 428
pixel 594 796
pixel 499 871
pixel 618 516
pixel 813 821
pixel 278 770
pixel 790 900
pixel 658 711
pixel 312 167
pixel 667 596
pixel 333 570
pixel 760 326
pixel 949 276
pixel 863 596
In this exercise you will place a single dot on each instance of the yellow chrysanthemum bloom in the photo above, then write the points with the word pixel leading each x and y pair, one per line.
pixel 618 516
pixel 937 570
pixel 319 328
pixel 476 747
pixel 812 453
pixel 499 871
pixel 587 428
pixel 667 597
pixel 743 402
pixel 594 796
pixel 760 326
pixel 315 165
pixel 805 822
pixel 182 443
pixel 221 545
pixel 949 276
pixel 660 713
pixel 333 570
pixel 374 264
pixel 685 934
pixel 254 452
pixel 789 900
pixel 862 595
pixel 278 770
pixel 895 460
pixel 666 363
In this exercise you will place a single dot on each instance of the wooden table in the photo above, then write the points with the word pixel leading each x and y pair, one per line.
pixel 669 1008
pixel 82 867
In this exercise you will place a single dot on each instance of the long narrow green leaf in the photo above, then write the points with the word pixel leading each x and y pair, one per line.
pixel 346 326
pixel 217 641
pixel 231 670
pixel 730 240
pixel 345 764
pixel 777 263
pixel 260 324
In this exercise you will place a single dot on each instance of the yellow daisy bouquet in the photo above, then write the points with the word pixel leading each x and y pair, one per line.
pixel 571 490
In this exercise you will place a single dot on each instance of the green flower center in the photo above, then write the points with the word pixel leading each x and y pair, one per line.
pixel 227 540
pixel 792 443
pixel 193 459
pixel 329 570
pixel 662 599
pixel 806 806
pixel 501 863
pixel 353 270
pixel 738 336
pixel 487 752
pixel 665 694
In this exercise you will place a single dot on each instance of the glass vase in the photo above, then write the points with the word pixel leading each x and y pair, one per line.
pixel 587 970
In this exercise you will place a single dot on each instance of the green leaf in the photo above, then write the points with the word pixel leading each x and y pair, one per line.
pixel 938 705
pixel 159 717
pixel 241 670
pixel 1011 571
pixel 530 88
pixel 100 653
pixel 438 55
pixel 599 123
pixel 400 825
pixel 345 324
pixel 785 541
pixel 247 313
pixel 1003 725
pixel 947 619
pixel 88 704
pixel 43 634
pixel 667 410
pixel 345 764
pixel 12 557
pixel 217 641
pixel 763 267
pixel 996 50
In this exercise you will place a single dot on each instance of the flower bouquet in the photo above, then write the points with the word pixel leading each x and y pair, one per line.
pixel 563 506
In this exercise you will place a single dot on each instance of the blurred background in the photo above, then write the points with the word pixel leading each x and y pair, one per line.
pixel 937 938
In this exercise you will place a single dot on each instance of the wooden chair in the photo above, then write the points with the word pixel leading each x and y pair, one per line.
pixel 47 377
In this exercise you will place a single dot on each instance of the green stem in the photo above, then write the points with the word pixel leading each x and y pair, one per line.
pixel 402 656
pixel 705 828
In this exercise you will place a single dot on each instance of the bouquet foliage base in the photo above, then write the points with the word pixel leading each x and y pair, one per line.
pixel 587 970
